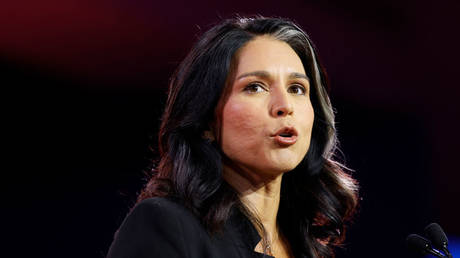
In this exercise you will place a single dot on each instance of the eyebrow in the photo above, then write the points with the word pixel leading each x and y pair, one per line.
pixel 266 75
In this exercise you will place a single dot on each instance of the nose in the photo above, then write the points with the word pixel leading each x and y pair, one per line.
pixel 281 104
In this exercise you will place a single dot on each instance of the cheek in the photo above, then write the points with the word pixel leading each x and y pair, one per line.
pixel 305 113
pixel 242 127
pixel 308 118
pixel 305 123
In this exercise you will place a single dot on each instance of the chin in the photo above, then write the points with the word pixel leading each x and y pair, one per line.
pixel 281 167
pixel 284 163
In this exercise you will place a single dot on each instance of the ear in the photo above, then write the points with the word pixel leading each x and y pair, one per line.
pixel 212 132
pixel 208 135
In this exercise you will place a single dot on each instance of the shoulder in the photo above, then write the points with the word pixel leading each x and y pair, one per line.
pixel 161 227
pixel 159 206
pixel 157 227
pixel 160 214
pixel 160 209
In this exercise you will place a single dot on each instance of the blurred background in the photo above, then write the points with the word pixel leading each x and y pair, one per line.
pixel 84 85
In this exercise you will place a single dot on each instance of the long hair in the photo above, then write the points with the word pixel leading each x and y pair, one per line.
pixel 317 197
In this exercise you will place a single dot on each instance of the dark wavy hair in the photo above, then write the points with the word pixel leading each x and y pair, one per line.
pixel 317 197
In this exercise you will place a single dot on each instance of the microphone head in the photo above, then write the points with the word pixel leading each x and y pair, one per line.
pixel 418 244
pixel 437 236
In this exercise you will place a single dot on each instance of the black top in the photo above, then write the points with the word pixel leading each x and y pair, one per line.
pixel 159 227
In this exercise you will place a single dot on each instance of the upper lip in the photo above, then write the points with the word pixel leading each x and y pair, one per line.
pixel 286 130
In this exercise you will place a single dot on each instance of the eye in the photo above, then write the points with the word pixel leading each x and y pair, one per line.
pixel 254 88
pixel 297 89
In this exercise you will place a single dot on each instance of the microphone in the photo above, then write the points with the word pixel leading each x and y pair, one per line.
pixel 437 236
pixel 422 245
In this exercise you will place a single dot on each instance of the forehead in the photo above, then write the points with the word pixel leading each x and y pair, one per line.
pixel 266 53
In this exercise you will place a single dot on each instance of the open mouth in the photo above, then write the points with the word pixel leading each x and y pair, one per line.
pixel 286 136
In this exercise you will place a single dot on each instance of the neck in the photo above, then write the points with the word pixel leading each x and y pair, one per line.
pixel 260 195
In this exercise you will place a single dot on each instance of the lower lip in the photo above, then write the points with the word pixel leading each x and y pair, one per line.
pixel 285 141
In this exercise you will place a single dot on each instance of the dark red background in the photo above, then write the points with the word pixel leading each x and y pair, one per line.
pixel 84 84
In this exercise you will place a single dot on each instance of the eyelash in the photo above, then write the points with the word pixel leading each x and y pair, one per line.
pixel 252 86
pixel 298 86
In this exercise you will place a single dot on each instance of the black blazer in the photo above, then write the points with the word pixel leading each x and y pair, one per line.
pixel 159 227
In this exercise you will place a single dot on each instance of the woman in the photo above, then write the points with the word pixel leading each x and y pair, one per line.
pixel 246 145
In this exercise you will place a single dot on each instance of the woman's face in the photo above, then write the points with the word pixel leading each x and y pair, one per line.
pixel 267 117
